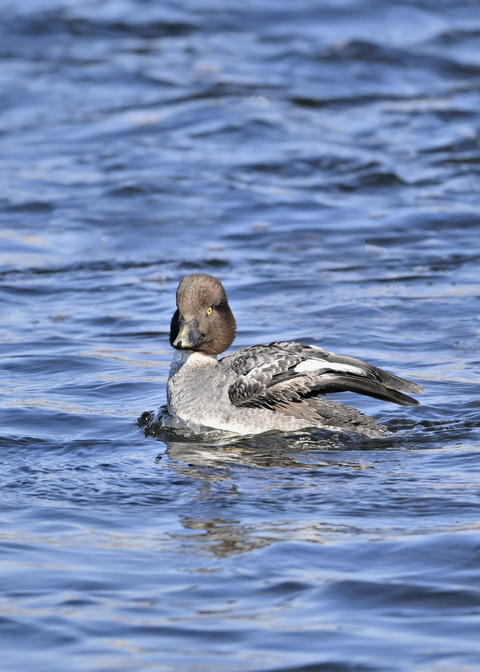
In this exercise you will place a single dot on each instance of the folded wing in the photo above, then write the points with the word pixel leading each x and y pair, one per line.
pixel 282 375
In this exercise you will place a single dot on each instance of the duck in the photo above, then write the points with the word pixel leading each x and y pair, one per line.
pixel 281 386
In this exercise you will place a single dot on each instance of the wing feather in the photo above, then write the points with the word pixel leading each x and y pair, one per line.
pixel 275 376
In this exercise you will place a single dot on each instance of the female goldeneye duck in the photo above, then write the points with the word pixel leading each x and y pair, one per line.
pixel 262 387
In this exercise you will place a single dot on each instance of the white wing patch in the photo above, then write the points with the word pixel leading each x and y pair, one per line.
pixel 309 365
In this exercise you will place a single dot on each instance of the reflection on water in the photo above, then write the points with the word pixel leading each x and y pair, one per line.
pixel 220 537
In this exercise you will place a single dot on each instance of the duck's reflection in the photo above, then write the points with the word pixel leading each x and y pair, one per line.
pixel 238 475
pixel 215 448
pixel 222 537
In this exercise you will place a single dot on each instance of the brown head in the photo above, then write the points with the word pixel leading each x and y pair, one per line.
pixel 203 321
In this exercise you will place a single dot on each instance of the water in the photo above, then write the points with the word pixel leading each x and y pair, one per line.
pixel 322 159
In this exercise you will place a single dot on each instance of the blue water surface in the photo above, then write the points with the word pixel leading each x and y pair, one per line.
pixel 322 159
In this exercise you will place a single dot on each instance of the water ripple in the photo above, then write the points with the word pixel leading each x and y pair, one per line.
pixel 323 162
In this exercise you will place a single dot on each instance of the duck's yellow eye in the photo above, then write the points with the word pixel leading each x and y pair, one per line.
pixel 209 310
